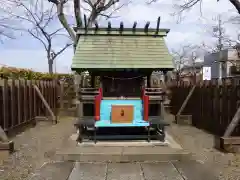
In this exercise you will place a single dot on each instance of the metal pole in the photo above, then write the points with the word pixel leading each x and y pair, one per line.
pixel 220 47
pixel 194 68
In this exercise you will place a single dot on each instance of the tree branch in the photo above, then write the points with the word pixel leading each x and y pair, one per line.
pixel 38 38
pixel 77 13
pixel 41 20
pixel 190 3
pixel 61 16
pixel 61 51
pixel 99 7
pixel 108 5
pixel 55 32
pixel 108 16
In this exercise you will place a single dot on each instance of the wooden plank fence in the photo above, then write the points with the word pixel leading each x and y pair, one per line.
pixel 20 104
pixel 211 105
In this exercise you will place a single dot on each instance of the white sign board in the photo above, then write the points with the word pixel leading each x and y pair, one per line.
pixel 206 73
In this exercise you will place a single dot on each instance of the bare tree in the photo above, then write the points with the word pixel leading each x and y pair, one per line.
pixel 6 20
pixel 97 8
pixel 5 29
pixel 218 32
pixel 182 56
pixel 187 4
pixel 236 21
pixel 39 24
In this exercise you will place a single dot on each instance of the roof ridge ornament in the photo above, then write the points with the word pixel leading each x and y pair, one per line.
pixel 146 27
pixel 134 26
pixel 96 26
pixel 109 27
pixel 121 30
pixel 121 27
pixel 85 23
pixel 158 25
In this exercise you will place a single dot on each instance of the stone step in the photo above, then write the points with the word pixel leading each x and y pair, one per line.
pixel 121 154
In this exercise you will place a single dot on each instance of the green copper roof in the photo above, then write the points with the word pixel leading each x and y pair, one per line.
pixel 127 50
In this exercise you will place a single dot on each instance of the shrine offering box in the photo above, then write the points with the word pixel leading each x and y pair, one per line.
pixel 122 113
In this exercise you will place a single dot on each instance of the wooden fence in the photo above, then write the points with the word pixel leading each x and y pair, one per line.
pixel 20 104
pixel 212 106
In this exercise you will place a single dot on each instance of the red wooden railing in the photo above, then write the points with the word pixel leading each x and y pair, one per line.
pixel 98 99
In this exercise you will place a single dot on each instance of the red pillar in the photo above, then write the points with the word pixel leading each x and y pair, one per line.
pixel 100 92
pixel 146 107
pixel 97 102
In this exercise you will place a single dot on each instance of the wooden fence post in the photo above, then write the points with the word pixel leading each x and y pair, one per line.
pixel 13 88
pixel 61 95
pixel 5 104
pixel 31 100
pixel 186 100
pixel 55 100
pixel 38 107
pixel 232 124
pixel 45 103
pixel 19 84
pixel 3 136
pixel 34 99
pixel 25 100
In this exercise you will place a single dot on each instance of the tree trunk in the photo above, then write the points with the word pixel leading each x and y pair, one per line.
pixel 50 66
pixel 236 4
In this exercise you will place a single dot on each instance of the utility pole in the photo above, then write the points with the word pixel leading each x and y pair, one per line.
pixel 220 47
pixel 194 68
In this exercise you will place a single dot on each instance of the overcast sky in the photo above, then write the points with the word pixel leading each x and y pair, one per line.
pixel 27 52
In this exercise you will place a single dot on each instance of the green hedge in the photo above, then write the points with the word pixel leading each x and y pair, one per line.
pixel 18 73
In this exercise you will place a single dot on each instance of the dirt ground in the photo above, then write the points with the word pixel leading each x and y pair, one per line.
pixel 39 144
pixel 34 147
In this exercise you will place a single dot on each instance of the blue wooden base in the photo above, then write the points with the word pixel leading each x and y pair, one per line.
pixel 105 113
pixel 89 129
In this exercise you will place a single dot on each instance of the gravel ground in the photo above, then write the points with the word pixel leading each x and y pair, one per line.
pixel 201 145
pixel 38 145
pixel 34 147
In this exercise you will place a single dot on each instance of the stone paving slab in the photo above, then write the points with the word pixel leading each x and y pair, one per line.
pixel 162 170
pixel 124 171
pixel 180 170
pixel 89 171
pixel 54 171
pixel 191 170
